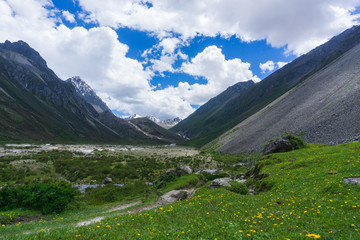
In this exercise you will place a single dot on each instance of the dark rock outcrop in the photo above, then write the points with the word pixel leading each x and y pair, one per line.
pixel 278 145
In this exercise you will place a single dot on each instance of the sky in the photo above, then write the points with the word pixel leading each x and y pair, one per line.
pixel 168 57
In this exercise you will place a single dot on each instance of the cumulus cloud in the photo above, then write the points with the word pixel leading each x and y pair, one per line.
pixel 270 66
pixel 267 67
pixel 68 16
pixel 299 24
pixel 177 100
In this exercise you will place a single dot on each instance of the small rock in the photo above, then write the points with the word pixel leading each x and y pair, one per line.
pixel 240 180
pixel 171 170
pixel 220 182
pixel 107 180
pixel 186 169
pixel 352 180
pixel 332 172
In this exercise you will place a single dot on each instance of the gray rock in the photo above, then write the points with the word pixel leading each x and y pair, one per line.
pixel 220 182
pixel 240 180
pixel 352 180
pixel 171 170
pixel 173 196
pixel 211 171
pixel 107 180
pixel 186 169
pixel 279 145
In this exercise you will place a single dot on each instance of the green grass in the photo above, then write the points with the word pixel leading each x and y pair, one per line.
pixel 304 200
pixel 186 181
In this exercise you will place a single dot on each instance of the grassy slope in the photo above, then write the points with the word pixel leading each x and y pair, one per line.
pixel 305 200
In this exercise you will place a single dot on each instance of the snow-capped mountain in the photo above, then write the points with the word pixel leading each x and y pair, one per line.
pixel 88 94
pixel 168 123
pixel 171 122
pixel 131 117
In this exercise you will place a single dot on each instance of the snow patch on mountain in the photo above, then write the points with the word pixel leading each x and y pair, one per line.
pixel 168 123
pixel 88 94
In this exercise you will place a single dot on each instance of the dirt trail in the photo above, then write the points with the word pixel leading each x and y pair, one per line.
pixel 191 193
pixel 99 218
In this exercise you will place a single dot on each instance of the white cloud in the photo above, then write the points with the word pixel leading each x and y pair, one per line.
pixel 281 64
pixel 270 66
pixel 68 16
pixel 219 72
pixel 267 67
pixel 177 100
pixel 299 24
pixel 169 45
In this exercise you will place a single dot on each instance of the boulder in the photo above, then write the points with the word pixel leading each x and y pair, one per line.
pixel 220 182
pixel 173 196
pixel 107 180
pixel 186 169
pixel 279 145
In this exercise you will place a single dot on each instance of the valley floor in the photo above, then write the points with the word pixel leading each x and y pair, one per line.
pixel 303 197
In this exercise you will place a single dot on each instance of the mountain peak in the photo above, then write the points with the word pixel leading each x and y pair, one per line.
pixel 88 94
pixel 24 49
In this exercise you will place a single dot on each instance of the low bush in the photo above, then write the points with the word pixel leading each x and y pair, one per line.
pixel 296 141
pixel 239 188
pixel 264 185
pixel 47 198
pixel 163 180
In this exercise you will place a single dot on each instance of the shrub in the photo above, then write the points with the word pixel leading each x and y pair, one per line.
pixel 47 198
pixel 264 185
pixel 296 141
pixel 163 180
pixel 239 188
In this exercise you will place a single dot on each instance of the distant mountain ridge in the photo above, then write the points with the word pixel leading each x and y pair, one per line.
pixel 208 123
pixel 36 105
pixel 168 123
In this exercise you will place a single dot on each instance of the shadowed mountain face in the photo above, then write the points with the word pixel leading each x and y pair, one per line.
pixel 202 130
pixel 325 108
pixel 36 105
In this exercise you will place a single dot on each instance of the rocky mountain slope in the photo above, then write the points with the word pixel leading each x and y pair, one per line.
pixel 204 120
pixel 36 105
pixel 324 109
pixel 202 130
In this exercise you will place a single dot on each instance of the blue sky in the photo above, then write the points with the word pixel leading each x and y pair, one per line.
pixel 167 57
